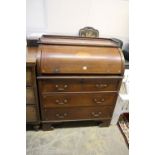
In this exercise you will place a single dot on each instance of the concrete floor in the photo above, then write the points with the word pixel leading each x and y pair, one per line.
pixel 77 141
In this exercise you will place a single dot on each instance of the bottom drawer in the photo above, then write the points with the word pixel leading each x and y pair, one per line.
pixel 31 113
pixel 78 113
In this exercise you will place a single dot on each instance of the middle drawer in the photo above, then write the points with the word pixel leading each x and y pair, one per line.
pixel 50 100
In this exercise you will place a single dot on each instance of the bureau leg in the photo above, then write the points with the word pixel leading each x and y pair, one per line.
pixel 47 127
pixel 36 127
pixel 104 124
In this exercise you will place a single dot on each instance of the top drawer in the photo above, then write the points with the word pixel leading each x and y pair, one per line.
pixel 78 84
pixel 56 59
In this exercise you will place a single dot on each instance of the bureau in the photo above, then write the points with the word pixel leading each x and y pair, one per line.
pixel 78 79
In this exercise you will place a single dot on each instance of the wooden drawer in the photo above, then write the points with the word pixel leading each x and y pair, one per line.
pixel 78 99
pixel 30 96
pixel 31 115
pixel 78 113
pixel 74 84
pixel 29 77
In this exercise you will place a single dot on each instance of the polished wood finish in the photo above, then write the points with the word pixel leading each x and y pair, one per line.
pixel 78 99
pixel 78 84
pixel 84 60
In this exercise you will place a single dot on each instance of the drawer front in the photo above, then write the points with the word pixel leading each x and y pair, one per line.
pixel 29 77
pixel 78 99
pixel 30 96
pixel 78 85
pixel 31 113
pixel 78 113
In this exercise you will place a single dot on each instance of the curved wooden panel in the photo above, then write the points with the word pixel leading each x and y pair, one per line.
pixel 80 60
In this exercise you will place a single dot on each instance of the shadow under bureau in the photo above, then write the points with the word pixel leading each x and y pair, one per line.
pixel 78 79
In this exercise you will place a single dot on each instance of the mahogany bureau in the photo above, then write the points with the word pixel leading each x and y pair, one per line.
pixel 78 79
pixel 74 79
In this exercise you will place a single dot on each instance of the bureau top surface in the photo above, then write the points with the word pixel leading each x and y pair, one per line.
pixel 74 40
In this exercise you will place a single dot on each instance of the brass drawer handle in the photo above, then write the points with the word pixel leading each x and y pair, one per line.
pixel 64 101
pixel 99 101
pixel 96 114
pixel 61 88
pixel 61 115
pixel 101 85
